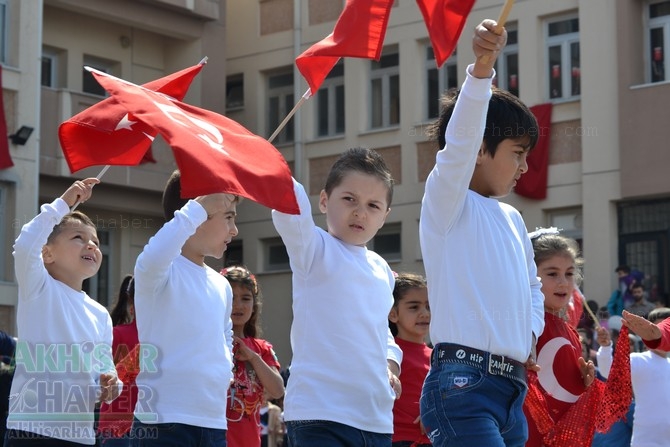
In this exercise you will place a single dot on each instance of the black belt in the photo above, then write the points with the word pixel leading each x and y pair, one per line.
pixel 496 365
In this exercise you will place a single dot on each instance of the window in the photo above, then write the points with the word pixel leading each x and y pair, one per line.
pixel 569 222
pixel 385 89
pixel 53 67
pixel 507 65
pixel 89 84
pixel 563 58
pixel 234 92
pixel 330 103
pixel 3 29
pixel 98 286
pixel 438 81
pixel 275 255
pixel 233 254
pixel 280 103
pixel 387 242
pixel 659 40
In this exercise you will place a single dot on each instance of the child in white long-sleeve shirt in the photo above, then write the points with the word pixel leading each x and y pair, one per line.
pixel 63 355
pixel 485 299
pixel 183 312
pixel 345 362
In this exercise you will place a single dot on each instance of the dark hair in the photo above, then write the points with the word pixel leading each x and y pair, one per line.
pixel 659 314
pixel 73 217
pixel 507 118
pixel 403 283
pixel 365 161
pixel 119 313
pixel 549 245
pixel 172 200
pixel 237 274
pixel 637 285
pixel 622 268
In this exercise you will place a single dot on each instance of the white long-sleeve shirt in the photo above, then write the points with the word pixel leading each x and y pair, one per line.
pixel 483 286
pixel 650 377
pixel 342 295
pixel 64 343
pixel 184 327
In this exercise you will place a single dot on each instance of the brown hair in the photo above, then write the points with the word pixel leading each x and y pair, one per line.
pixel 75 217
pixel 403 283
pixel 237 274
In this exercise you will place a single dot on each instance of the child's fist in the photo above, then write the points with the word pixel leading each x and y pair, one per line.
pixel 80 191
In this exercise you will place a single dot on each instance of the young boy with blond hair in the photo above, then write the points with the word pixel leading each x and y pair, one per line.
pixel 183 312
pixel 63 356
pixel 485 299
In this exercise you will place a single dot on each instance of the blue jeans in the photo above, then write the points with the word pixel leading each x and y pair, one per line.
pixel 332 434
pixel 176 435
pixel 461 406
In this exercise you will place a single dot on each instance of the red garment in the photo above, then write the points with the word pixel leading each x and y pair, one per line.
pixel 560 379
pixel 5 157
pixel 533 184
pixel 243 413
pixel 664 342
pixel 415 366
pixel 215 154
pixel 117 418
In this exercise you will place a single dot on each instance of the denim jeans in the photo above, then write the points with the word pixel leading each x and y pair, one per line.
pixel 176 435
pixel 332 434
pixel 462 406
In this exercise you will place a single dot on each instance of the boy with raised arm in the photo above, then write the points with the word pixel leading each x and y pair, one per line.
pixel 485 299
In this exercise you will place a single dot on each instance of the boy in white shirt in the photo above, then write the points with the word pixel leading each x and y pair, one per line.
pixel 484 293
pixel 183 312
pixel 63 355
pixel 345 362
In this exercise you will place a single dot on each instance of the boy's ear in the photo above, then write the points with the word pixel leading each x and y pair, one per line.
pixel 393 315
pixel 482 153
pixel 47 254
pixel 323 199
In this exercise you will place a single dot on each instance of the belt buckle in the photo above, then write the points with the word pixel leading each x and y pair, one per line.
pixel 500 370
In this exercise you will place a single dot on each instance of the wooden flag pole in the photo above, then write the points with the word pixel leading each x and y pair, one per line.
pixel 290 114
pixel 502 18
pixel 74 207
pixel 593 316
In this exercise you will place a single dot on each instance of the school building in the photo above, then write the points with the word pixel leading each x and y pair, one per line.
pixel 600 63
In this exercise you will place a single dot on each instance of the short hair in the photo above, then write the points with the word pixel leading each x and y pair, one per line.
pixel 73 217
pixel 507 117
pixel 172 200
pixel 403 283
pixel 622 268
pixel 237 274
pixel 659 314
pixel 547 246
pixel 365 161
pixel 637 285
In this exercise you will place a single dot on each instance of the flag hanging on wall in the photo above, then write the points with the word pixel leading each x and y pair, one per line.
pixel 5 158
pixel 533 184
pixel 106 134
pixel 214 153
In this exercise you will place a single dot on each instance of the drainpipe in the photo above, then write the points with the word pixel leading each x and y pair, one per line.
pixel 297 94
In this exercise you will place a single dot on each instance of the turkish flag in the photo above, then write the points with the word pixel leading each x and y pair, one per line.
pixel 214 153
pixel 5 158
pixel 445 20
pixel 358 32
pixel 618 392
pixel 533 184
pixel 106 134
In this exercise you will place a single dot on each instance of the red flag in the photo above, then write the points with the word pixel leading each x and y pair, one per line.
pixel 533 184
pixel 5 158
pixel 214 153
pixel 106 134
pixel 445 20
pixel 618 392
pixel 359 32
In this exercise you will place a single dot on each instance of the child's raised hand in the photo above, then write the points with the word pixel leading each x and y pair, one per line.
pixel 487 44
pixel 241 351
pixel 80 191
pixel 603 338
pixel 109 389
pixel 641 326
pixel 588 370
pixel 216 203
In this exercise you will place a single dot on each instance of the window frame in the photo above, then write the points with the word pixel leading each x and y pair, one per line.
pixel 329 87
pixel 389 229
pixel 235 78
pixel 386 75
pixel 273 243
pixel 564 41
pixel 663 23
pixel 99 63
pixel 92 286
pixel 502 77
pixel 4 24
pixel 444 79
pixel 285 96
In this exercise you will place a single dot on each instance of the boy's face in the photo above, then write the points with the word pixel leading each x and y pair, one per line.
pixel 412 315
pixel 213 236
pixel 496 176
pixel 73 255
pixel 356 208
